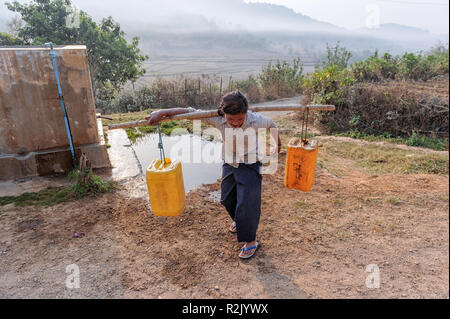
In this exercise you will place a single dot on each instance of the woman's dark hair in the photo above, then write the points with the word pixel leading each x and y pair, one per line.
pixel 233 103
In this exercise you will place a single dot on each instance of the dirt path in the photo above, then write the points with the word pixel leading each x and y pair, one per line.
pixel 314 245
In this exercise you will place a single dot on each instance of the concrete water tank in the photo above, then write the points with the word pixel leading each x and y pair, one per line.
pixel 33 137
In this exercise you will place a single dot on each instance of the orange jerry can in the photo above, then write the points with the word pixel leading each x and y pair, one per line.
pixel 301 163
pixel 166 188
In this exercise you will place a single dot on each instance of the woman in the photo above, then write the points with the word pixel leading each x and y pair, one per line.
pixel 241 175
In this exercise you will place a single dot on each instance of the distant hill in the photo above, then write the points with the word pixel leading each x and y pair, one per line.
pixel 197 15
pixel 396 29
pixel 174 27
pixel 404 36
pixel 264 16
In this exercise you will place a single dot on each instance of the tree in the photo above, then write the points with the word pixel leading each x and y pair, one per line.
pixel 112 60
pixel 14 25
pixel 282 78
pixel 338 56
pixel 45 21
pixel 8 39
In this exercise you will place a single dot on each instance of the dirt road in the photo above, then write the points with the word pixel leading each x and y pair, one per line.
pixel 314 245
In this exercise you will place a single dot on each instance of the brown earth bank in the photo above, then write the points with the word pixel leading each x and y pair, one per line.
pixel 313 245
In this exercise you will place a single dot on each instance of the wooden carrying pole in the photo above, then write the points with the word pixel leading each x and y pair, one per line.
pixel 206 114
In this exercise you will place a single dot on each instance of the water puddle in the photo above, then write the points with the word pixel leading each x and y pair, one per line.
pixel 201 159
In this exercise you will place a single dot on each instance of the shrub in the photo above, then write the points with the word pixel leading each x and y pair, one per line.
pixel 249 87
pixel 125 103
pixel 375 69
pixel 394 108
pixel 410 110
pixel 408 66
pixel 440 66
pixel 328 86
pixel 417 139
pixel 337 56
pixel 417 67
pixel 281 79
pixel 144 98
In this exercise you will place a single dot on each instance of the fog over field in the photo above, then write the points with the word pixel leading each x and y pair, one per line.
pixel 238 37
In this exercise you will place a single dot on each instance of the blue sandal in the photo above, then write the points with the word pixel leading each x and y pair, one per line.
pixel 244 250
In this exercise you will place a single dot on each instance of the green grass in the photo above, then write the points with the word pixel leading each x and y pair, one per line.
pixel 394 201
pixel 301 204
pixel 437 144
pixel 47 197
pixel 119 118
pixel 56 195
pixel 134 133
pixel 105 135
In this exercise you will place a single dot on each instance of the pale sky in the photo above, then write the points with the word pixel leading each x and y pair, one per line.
pixel 431 15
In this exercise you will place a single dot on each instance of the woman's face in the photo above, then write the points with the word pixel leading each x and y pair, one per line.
pixel 236 120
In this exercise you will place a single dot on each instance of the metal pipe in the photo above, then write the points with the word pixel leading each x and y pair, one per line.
pixel 61 98
pixel 104 117
pixel 207 114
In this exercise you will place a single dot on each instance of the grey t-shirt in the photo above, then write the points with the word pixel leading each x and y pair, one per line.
pixel 242 145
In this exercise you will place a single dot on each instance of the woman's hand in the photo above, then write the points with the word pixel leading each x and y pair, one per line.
pixel 159 116
pixel 156 117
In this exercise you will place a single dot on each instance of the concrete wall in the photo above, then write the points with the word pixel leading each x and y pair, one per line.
pixel 31 118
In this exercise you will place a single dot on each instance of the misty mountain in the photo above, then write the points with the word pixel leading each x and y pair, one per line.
pixel 202 15
pixel 403 36
pixel 187 27
pixel 174 27
pixel 393 30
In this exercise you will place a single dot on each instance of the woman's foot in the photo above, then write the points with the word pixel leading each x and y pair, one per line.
pixel 233 228
pixel 249 250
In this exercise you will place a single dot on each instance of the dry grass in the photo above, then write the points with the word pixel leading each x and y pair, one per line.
pixel 385 159
pixel 398 108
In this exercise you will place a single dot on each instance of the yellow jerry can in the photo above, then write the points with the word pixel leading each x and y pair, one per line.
pixel 166 187
pixel 301 162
